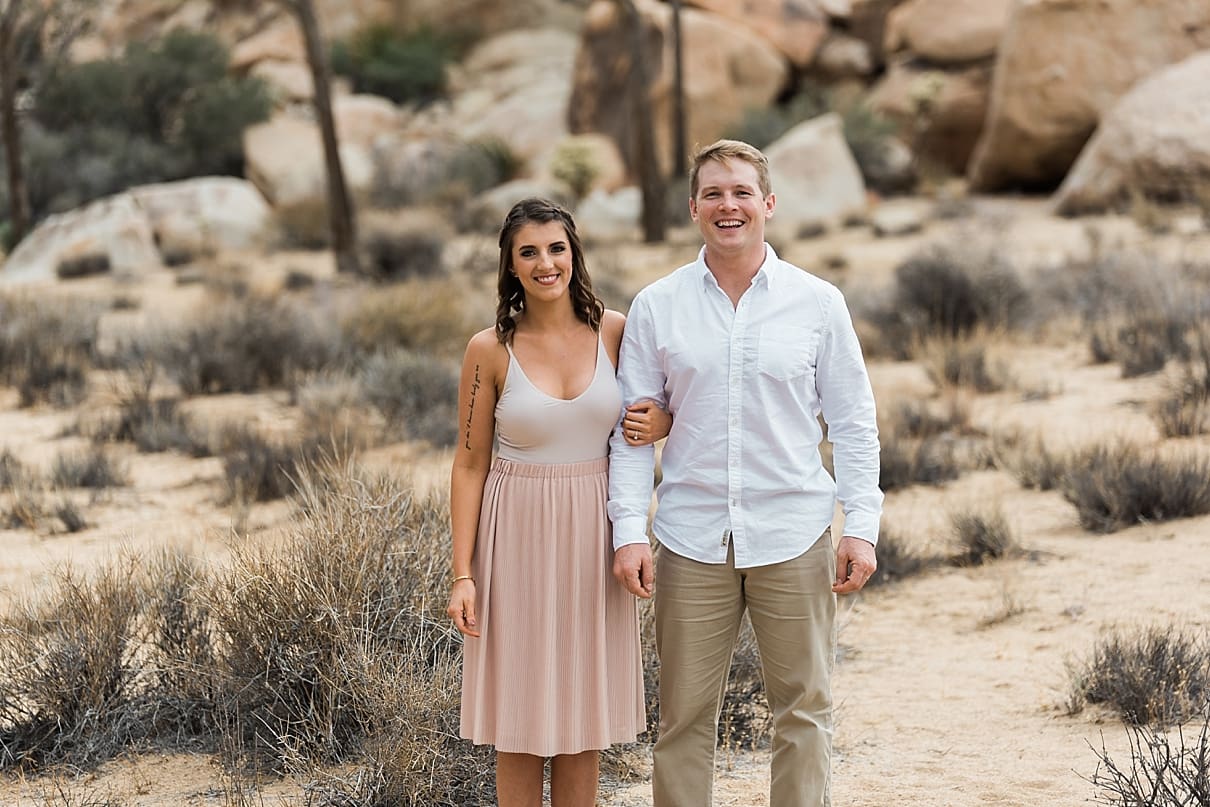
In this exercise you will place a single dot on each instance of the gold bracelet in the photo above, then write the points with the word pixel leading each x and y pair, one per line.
pixel 462 577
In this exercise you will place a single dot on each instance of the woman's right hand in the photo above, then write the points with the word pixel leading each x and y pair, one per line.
pixel 645 422
pixel 462 607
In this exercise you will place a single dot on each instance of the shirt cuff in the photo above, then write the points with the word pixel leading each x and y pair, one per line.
pixel 629 530
pixel 863 527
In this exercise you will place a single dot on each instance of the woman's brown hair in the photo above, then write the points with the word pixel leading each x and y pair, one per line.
pixel 511 296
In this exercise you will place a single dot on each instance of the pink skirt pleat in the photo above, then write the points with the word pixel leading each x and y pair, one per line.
pixel 557 668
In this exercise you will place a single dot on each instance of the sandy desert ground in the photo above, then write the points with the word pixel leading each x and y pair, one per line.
pixel 950 686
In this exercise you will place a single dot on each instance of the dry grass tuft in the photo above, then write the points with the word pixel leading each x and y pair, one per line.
pixel 68 673
pixel 898 561
pixel 93 468
pixel 1033 465
pixel 46 347
pixel 982 535
pixel 1156 675
pixel 1117 486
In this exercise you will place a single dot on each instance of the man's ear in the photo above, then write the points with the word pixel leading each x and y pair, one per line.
pixel 770 203
pixel 693 208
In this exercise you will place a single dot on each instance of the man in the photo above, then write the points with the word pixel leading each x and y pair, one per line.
pixel 745 350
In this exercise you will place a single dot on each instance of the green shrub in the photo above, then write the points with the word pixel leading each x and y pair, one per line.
pixel 403 67
pixel 762 126
pixel 573 165
pixel 164 110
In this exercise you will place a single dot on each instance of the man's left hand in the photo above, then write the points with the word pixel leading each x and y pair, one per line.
pixel 855 564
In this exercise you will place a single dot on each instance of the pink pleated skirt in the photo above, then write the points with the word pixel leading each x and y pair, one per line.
pixel 557 667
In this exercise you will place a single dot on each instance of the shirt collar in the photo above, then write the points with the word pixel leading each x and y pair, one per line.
pixel 766 274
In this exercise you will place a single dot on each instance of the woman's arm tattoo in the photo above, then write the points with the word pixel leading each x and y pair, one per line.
pixel 470 413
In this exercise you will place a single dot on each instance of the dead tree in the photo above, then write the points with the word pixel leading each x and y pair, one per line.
pixel 342 220
pixel 651 180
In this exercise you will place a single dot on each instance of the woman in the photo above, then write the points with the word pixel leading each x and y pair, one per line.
pixel 551 664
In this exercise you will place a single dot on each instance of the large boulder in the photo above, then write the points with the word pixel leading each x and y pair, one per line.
pixel 728 70
pixel 115 231
pixel 1060 66
pixel 486 17
pixel 947 31
pixel 867 21
pixel 284 158
pixel 940 112
pixel 515 87
pixel 1155 141
pixel 815 177
pixel 795 27
pixel 842 56
pixel 204 214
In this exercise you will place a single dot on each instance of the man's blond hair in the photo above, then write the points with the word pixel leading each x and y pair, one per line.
pixel 723 150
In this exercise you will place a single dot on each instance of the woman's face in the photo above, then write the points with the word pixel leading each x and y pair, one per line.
pixel 542 260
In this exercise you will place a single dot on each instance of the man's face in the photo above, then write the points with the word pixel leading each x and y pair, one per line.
pixel 729 208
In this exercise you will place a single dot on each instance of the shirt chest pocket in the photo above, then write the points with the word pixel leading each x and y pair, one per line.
pixel 786 351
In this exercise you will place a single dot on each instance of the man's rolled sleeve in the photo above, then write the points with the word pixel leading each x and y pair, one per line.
pixel 631 468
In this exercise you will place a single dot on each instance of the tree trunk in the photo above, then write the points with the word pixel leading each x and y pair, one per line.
pixel 10 129
pixel 341 216
pixel 650 179
pixel 680 146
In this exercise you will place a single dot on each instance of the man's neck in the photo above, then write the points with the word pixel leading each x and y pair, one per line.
pixel 734 272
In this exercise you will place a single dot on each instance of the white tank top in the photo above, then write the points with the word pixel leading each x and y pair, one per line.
pixel 534 427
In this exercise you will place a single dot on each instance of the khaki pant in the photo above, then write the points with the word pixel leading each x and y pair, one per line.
pixel 698 610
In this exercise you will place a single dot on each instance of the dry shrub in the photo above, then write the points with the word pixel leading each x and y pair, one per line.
pixel 964 363
pixel 333 409
pixel 1120 485
pixel 1184 411
pixel 259 469
pixel 1033 465
pixel 417 394
pixel 330 646
pixel 898 561
pixel 950 291
pixel 914 461
pixel 26 506
pixel 152 423
pixel 243 345
pixel 179 649
pixel 402 246
pixel 982 535
pixel 336 640
pixel 1138 308
pixel 93 468
pixel 1163 772
pixel 1154 675
pixel 68 672
pixel 421 315
pixel 12 471
pixel 46 347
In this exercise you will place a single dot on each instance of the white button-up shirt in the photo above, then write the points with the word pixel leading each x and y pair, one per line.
pixel 745 385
